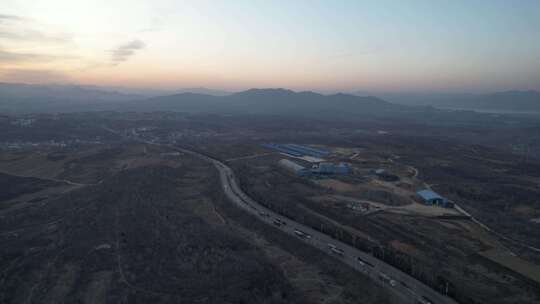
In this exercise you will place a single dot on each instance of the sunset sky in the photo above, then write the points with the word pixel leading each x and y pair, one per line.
pixel 376 46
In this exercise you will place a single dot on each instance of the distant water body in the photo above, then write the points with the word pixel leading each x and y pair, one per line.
pixel 492 111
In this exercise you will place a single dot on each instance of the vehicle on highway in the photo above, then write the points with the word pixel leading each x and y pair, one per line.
pixel 302 234
pixel 338 251
pixel 364 262
pixel 279 222
pixel 241 197
pixel 335 250
pixel 425 300
pixel 387 279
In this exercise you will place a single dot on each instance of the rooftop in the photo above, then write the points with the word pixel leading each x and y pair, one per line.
pixel 429 194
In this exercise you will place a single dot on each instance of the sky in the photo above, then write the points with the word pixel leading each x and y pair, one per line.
pixel 356 45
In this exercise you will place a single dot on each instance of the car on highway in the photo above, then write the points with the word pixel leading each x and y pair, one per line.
pixel 387 279
pixel 279 222
pixel 363 262
pixel 302 234
pixel 335 250
pixel 425 300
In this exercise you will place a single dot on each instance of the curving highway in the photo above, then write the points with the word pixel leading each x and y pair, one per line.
pixel 405 287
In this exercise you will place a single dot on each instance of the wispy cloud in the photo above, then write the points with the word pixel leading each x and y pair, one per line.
pixel 14 57
pixel 9 17
pixel 24 42
pixel 28 35
pixel 19 29
pixel 33 76
pixel 125 51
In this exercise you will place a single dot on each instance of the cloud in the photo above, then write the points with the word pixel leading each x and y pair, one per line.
pixel 125 51
pixel 15 58
pixel 33 76
pixel 9 17
pixel 30 35
pixel 16 29
pixel 24 40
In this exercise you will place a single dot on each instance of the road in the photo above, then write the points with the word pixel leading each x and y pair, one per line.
pixel 405 287
pixel 485 227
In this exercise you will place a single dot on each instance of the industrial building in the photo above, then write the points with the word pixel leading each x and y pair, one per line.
pixel 293 167
pixel 430 197
pixel 305 150
pixel 318 169
pixel 282 148
pixel 297 150
pixel 330 168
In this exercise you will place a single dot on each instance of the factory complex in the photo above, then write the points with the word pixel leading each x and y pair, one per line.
pixel 325 168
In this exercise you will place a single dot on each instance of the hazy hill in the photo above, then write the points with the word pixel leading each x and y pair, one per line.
pixel 61 92
pixel 16 97
pixel 272 102
pixel 508 100
pixel 22 98
pixel 205 91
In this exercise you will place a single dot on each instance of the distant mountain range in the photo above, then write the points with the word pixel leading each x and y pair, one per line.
pixel 75 93
pixel 20 98
pixel 57 98
pixel 160 92
pixel 204 91
pixel 24 98
pixel 508 100
pixel 280 102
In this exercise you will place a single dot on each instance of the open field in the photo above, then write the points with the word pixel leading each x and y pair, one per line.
pixel 131 206
pixel 156 230
pixel 527 269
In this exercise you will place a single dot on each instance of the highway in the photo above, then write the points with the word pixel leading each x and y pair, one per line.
pixel 405 287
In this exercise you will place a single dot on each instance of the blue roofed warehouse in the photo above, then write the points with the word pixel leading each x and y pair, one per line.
pixel 430 197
